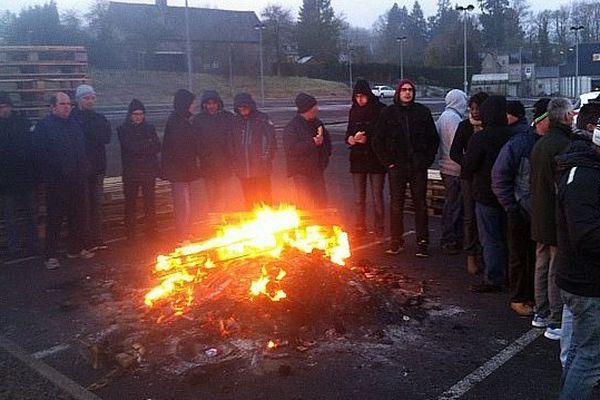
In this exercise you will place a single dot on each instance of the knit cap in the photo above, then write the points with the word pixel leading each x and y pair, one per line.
pixel 83 90
pixel 305 102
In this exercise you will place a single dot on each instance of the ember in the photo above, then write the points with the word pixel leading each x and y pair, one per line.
pixel 266 234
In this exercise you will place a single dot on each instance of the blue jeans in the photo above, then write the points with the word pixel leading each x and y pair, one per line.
pixel 491 223
pixel 182 208
pixel 22 203
pixel 566 334
pixel 582 368
pixel 452 214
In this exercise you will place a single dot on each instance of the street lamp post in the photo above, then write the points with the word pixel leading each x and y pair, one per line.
pixel 576 29
pixel 260 27
pixel 188 47
pixel 401 40
pixel 350 66
pixel 470 7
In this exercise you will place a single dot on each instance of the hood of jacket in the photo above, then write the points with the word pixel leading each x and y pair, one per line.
pixel 211 95
pixel 457 100
pixel 493 111
pixel 582 157
pixel 181 102
pixel 243 99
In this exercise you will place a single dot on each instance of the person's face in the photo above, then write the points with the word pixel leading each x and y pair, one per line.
pixel 361 99
pixel 193 107
pixel 311 114
pixel 137 117
pixel 474 111
pixel 62 108
pixel 244 111
pixel 211 106
pixel 87 102
pixel 543 126
pixel 511 118
pixel 568 118
pixel 406 93
pixel 5 111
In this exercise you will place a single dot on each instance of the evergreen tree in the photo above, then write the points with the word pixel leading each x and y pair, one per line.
pixel 318 30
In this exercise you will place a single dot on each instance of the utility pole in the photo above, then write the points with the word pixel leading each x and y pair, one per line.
pixel 188 47
pixel 576 29
pixel 400 40
pixel 260 27
pixel 470 7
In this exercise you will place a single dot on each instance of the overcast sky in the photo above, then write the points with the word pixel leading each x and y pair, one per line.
pixel 362 13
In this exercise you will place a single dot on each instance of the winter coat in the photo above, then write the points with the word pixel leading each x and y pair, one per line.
pixel 460 143
pixel 512 172
pixel 59 150
pixel 405 135
pixel 362 157
pixel 139 151
pixel 253 145
pixel 179 156
pixel 447 125
pixel 484 149
pixel 17 171
pixel 213 133
pixel 578 223
pixel 97 132
pixel 543 183
pixel 303 157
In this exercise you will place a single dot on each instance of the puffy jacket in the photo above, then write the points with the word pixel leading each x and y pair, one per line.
pixel 405 135
pixel 447 125
pixel 139 151
pixel 303 157
pixel 17 171
pixel 97 132
pixel 511 173
pixel 59 150
pixel 578 223
pixel 543 183
pixel 253 145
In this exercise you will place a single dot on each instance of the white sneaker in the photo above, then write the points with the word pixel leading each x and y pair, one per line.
pixel 553 332
pixel 539 321
pixel 52 263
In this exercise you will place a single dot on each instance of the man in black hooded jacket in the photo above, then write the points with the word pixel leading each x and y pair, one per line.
pixel 253 148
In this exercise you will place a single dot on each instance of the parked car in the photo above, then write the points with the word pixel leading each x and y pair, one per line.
pixel 383 91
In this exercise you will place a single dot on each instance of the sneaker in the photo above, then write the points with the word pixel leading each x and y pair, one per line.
pixel 83 254
pixel 522 309
pixel 395 248
pixel 553 332
pixel 539 321
pixel 52 263
pixel 422 251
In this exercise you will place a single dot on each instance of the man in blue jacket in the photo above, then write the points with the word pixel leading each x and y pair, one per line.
pixel 510 184
pixel 60 152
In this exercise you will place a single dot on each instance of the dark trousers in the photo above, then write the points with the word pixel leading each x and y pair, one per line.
pixel 94 190
pixel 65 199
pixel 491 222
pixel 256 191
pixel 521 258
pixel 20 204
pixel 359 182
pixel 417 183
pixel 215 191
pixel 311 192
pixel 131 190
pixel 471 243
pixel 452 214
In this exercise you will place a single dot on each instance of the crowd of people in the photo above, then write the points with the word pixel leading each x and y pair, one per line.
pixel 522 197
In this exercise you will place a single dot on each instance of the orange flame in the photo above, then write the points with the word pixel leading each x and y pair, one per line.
pixel 268 232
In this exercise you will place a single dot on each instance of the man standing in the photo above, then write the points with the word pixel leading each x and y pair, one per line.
pixel 253 148
pixel 406 142
pixel 548 302
pixel 307 148
pixel 578 222
pixel 510 184
pixel 17 179
pixel 213 128
pixel 452 214
pixel 59 149
pixel 96 130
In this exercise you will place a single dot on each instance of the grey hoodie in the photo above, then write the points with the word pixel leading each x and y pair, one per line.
pixel 455 112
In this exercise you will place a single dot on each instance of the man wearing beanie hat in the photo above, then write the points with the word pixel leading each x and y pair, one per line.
pixel 179 160
pixel 510 184
pixel 406 142
pixel 307 149
pixel 578 265
pixel 364 164
pixel 213 128
pixel 17 180
pixel 139 154
pixel 253 148
pixel 97 132
pixel 549 304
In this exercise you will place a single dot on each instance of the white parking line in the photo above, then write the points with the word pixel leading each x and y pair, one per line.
pixel 52 350
pixel 462 387
pixel 71 387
